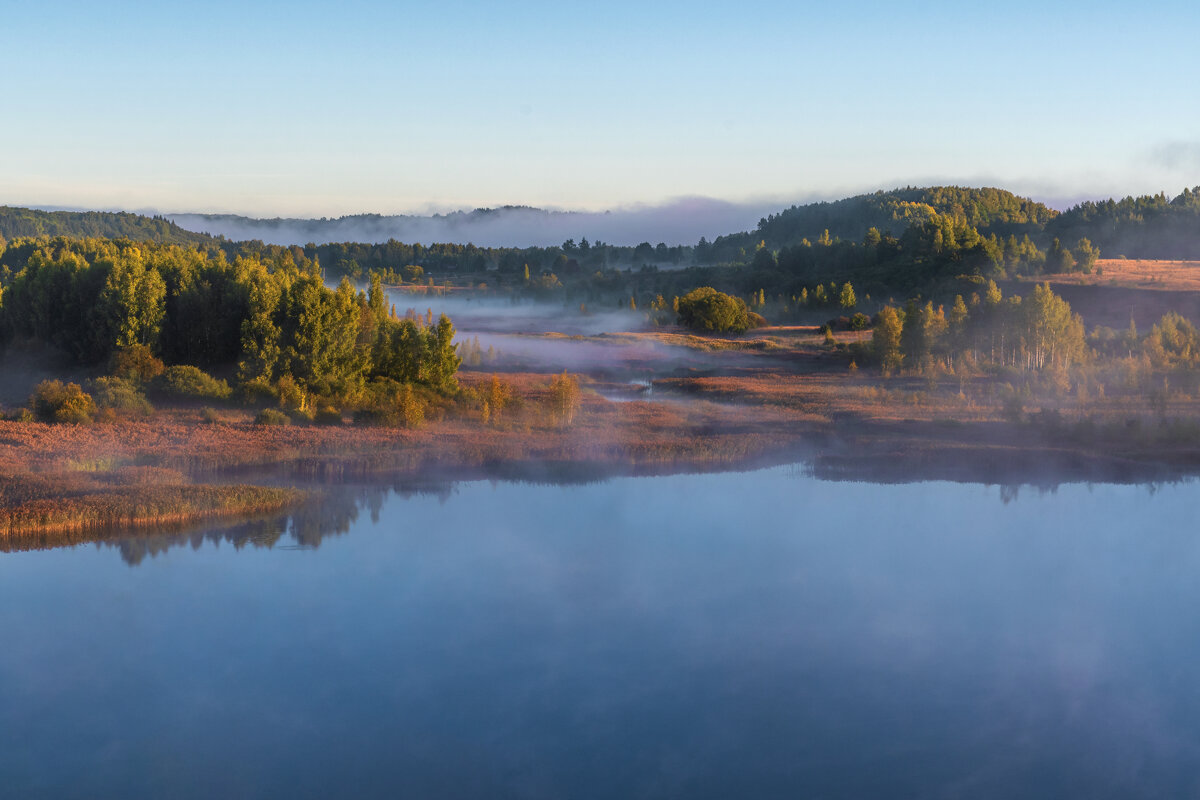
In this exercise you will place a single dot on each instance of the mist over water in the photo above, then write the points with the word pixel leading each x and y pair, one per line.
pixel 586 341
pixel 682 221
pixel 637 637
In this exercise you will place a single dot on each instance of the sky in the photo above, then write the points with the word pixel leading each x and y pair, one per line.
pixel 324 109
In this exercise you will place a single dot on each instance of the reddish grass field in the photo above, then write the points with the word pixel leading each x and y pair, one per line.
pixel 1120 290
pixel 1162 276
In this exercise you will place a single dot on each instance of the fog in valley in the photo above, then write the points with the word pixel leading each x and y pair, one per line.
pixel 680 221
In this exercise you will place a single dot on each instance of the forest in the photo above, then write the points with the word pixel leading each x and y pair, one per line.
pixel 142 307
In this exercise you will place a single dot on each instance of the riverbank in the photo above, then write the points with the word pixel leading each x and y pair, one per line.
pixel 64 483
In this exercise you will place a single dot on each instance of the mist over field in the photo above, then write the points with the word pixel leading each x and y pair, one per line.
pixel 680 221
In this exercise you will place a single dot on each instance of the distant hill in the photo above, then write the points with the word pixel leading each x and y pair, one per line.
pixel 1143 227
pixel 988 210
pixel 457 227
pixel 1151 226
pixel 679 221
pixel 17 222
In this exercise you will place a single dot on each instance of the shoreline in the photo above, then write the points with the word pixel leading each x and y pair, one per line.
pixel 74 484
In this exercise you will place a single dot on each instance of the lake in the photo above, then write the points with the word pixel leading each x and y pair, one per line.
pixel 755 634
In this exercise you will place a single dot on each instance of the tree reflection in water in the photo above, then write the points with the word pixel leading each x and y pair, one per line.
pixel 302 529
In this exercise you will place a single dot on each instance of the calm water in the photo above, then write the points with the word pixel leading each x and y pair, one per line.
pixel 762 634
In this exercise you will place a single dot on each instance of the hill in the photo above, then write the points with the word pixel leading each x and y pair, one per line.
pixel 1148 227
pixel 18 222
pixel 987 210
pixel 676 222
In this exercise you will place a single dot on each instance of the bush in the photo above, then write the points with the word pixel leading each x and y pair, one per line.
pixel 54 401
pixel 1012 403
pixel 328 415
pixel 135 363
pixel 122 397
pixel 258 392
pixel 269 416
pixel 391 404
pixel 706 309
pixel 387 418
pixel 860 322
pixel 188 381
pixel 292 396
pixel 210 416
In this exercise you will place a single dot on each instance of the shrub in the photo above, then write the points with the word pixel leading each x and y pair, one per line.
pixel 135 363
pixel 54 401
pixel 188 381
pixel 210 416
pixel 706 309
pixel 269 416
pixel 258 392
pixel 499 394
pixel 1012 403
pixel 860 322
pixel 122 397
pixel 388 418
pixel 328 415
pixel 292 396
pixel 412 409
pixel 391 404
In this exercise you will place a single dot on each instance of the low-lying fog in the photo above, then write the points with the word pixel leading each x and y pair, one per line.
pixel 680 221
pixel 517 335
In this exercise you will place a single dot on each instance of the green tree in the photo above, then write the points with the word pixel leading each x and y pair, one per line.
pixel 1052 335
pixel 1174 340
pixel 958 316
pixel 1086 255
pixel 260 333
pixel 706 309
pixel 847 299
pixel 130 308
pixel 320 331
pixel 885 339
pixel 444 359
pixel 1059 258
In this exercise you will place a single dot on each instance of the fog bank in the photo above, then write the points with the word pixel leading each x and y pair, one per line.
pixel 680 221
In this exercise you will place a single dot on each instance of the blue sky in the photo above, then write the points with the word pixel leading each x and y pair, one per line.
pixel 357 106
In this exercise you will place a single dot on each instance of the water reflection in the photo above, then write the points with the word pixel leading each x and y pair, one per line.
pixel 338 507
pixel 303 529
pixel 752 634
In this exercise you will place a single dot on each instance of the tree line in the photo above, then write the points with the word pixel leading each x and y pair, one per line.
pixel 272 317
pixel 1033 333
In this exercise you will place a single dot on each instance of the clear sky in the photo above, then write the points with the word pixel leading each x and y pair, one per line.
pixel 357 106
